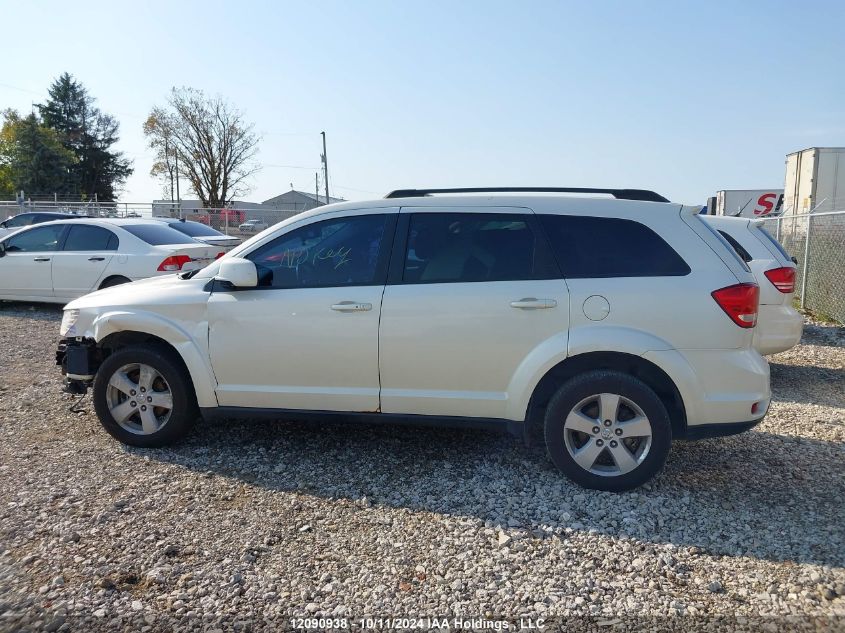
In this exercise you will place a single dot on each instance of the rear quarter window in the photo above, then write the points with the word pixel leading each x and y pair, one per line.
pixel 157 234
pixel 592 247
pixel 744 254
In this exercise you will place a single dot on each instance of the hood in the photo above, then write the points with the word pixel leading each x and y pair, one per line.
pixel 167 289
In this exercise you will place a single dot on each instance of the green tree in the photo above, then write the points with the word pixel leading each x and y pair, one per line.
pixel 32 156
pixel 90 135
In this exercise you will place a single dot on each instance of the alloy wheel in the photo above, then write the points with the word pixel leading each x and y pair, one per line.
pixel 139 398
pixel 607 434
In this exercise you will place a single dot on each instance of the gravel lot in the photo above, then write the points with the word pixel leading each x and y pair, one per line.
pixel 248 524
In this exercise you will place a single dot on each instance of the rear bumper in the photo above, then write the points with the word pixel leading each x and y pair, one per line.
pixel 705 431
pixel 718 387
pixel 778 328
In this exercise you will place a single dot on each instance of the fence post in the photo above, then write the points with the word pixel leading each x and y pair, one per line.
pixel 806 262
pixel 780 217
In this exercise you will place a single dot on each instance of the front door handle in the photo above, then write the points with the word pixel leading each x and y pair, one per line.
pixel 352 306
pixel 41 259
pixel 530 303
pixel 96 259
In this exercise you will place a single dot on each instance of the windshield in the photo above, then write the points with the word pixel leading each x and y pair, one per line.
pixel 195 229
pixel 157 234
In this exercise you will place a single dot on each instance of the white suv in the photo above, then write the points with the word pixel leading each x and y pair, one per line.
pixel 612 326
pixel 779 324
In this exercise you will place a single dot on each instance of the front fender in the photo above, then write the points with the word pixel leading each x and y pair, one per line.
pixel 185 342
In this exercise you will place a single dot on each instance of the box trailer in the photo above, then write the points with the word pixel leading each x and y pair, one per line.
pixel 815 180
pixel 749 203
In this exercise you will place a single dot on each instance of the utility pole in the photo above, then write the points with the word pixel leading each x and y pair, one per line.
pixel 317 187
pixel 178 196
pixel 167 160
pixel 325 166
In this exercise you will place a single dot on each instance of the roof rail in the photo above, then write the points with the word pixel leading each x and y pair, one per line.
pixel 622 194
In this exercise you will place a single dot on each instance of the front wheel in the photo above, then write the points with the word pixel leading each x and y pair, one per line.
pixel 607 430
pixel 144 397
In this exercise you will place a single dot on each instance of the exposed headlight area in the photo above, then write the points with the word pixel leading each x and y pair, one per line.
pixel 68 327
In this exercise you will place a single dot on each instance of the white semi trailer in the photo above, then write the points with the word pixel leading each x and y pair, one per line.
pixel 815 180
pixel 749 203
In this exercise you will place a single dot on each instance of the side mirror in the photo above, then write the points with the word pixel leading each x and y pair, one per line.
pixel 238 272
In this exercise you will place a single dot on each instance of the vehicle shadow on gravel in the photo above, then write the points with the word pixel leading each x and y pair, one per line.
pixel 759 494
pixel 826 335
pixel 809 384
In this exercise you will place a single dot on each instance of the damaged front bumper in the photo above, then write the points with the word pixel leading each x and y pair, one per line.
pixel 79 359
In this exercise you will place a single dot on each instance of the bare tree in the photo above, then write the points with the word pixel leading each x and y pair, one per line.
pixel 214 145
pixel 159 139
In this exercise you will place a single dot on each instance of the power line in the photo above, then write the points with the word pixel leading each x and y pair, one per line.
pixel 290 166
pixel 375 193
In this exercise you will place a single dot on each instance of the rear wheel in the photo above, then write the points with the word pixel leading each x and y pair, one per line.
pixel 607 430
pixel 114 281
pixel 143 397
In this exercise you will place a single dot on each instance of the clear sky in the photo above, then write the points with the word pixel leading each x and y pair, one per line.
pixel 682 97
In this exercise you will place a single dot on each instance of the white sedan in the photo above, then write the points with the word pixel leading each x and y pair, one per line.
pixel 59 261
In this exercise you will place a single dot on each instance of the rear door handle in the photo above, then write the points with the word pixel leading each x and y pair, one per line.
pixel 530 303
pixel 96 259
pixel 41 259
pixel 352 306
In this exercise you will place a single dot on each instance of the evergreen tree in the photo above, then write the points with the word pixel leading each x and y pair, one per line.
pixel 89 134
pixel 32 157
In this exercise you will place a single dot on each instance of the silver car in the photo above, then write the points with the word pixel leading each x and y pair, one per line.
pixel 253 226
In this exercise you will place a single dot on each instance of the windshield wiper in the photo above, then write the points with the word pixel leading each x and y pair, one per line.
pixel 188 274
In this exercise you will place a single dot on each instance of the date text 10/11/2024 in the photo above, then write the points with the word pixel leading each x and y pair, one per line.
pixel 421 624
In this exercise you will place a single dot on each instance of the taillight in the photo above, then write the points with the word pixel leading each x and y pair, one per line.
pixel 739 302
pixel 220 254
pixel 782 278
pixel 174 263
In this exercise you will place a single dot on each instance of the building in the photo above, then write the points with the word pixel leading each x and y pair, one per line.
pixel 166 208
pixel 295 201
pixel 270 211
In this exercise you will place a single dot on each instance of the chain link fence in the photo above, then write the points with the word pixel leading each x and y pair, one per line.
pixel 817 240
pixel 234 222
pixel 237 222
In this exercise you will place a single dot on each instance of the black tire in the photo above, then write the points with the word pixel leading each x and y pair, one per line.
pixel 583 387
pixel 114 281
pixel 184 409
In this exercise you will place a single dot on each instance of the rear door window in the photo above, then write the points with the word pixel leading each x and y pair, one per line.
pixel 83 237
pixel 472 247
pixel 593 247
